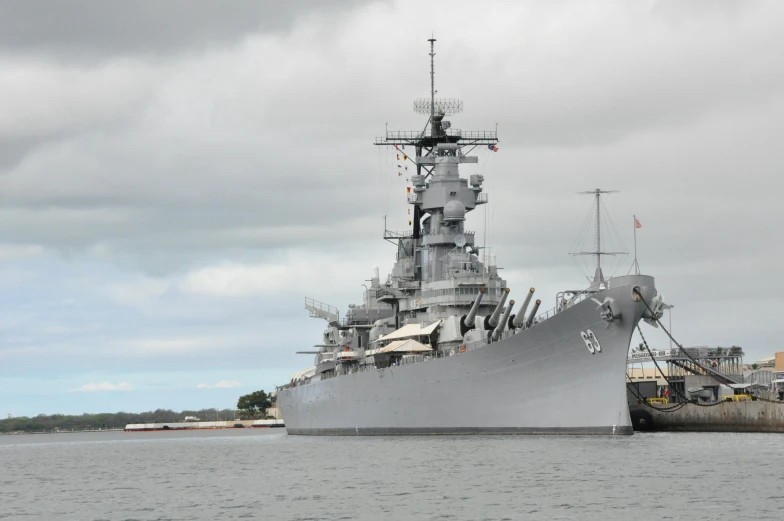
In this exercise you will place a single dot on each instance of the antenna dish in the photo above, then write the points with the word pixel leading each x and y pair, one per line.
pixel 443 106
pixel 460 241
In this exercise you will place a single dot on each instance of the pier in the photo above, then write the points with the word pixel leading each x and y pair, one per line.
pixel 729 416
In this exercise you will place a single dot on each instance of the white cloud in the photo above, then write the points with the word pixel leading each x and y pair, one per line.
pixel 13 252
pixel 303 271
pixel 138 292
pixel 177 345
pixel 223 384
pixel 102 386
pixel 236 280
pixel 42 99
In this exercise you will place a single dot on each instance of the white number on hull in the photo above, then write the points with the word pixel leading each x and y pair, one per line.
pixel 595 341
pixel 591 342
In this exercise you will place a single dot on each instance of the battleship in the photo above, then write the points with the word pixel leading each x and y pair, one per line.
pixel 438 347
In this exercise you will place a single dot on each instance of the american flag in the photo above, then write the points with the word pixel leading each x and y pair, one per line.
pixel 492 147
pixel 637 223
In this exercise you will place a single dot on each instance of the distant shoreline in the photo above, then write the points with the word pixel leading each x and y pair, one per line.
pixel 20 433
pixel 102 422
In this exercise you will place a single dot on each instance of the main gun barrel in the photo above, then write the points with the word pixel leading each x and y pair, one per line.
pixel 471 317
pixel 531 317
pixel 519 319
pixel 467 321
pixel 504 319
pixel 493 319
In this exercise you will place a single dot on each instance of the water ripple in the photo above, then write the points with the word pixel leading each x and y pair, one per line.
pixel 244 474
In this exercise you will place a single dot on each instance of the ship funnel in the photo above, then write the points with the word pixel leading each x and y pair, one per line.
pixel 504 319
pixel 519 319
pixel 467 321
pixel 531 317
pixel 492 320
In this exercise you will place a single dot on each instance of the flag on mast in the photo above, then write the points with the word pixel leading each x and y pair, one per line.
pixel 635 264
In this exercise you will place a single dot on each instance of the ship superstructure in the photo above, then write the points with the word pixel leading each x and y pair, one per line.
pixel 438 347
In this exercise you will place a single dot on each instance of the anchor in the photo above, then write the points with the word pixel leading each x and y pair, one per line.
pixel 655 311
pixel 609 310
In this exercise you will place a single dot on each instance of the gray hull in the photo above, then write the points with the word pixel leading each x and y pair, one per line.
pixel 543 380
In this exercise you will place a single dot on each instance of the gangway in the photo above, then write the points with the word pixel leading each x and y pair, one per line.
pixel 696 367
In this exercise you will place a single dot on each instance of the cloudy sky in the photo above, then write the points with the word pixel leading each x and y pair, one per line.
pixel 176 177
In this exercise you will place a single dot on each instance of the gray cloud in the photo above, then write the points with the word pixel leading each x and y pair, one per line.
pixel 86 28
pixel 133 146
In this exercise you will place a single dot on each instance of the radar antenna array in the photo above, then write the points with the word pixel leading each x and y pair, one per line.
pixel 440 131
pixel 442 106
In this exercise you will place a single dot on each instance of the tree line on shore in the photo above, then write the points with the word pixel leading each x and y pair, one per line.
pixel 117 420
pixel 253 405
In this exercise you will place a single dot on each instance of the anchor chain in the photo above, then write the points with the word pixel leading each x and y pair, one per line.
pixel 674 388
pixel 681 348
pixel 643 400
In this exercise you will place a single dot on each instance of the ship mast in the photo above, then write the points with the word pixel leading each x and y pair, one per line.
pixel 425 143
pixel 439 196
pixel 432 78
pixel 598 233
pixel 597 253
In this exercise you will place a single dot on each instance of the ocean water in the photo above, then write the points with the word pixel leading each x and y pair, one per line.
pixel 265 474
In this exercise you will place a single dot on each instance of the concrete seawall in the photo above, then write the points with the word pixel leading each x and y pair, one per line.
pixel 726 417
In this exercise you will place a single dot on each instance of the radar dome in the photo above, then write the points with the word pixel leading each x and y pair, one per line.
pixel 454 210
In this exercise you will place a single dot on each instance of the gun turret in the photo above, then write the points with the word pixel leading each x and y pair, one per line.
pixel 531 317
pixel 467 321
pixel 492 320
pixel 519 319
pixel 504 319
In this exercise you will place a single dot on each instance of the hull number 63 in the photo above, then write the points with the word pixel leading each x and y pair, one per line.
pixel 591 342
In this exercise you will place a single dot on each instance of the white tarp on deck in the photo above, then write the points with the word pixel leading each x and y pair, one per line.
pixel 305 373
pixel 405 346
pixel 411 330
